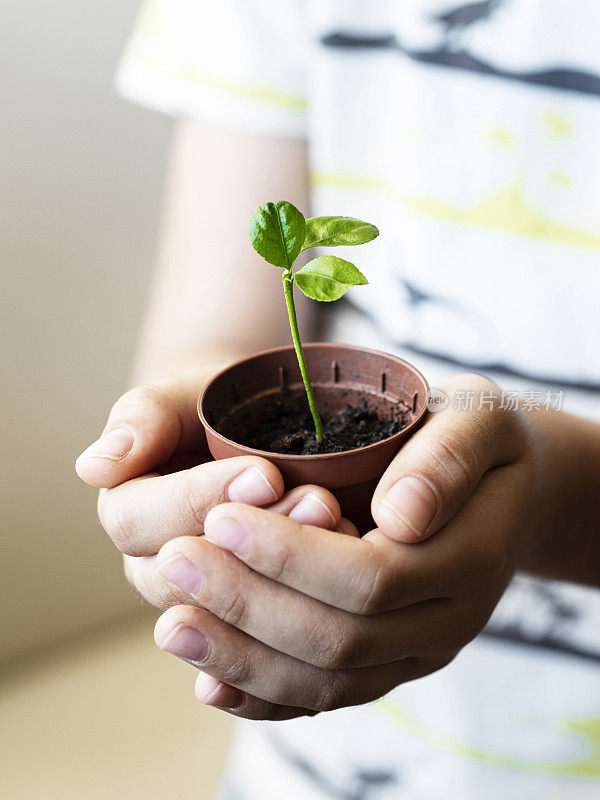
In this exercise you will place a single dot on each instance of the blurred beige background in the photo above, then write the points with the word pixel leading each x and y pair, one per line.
pixel 81 181
pixel 80 177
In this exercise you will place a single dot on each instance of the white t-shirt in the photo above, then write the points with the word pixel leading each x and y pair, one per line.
pixel 468 132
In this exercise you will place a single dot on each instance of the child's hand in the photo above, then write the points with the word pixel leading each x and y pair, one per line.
pixel 159 483
pixel 287 619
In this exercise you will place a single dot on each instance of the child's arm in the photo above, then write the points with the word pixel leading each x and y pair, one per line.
pixel 210 291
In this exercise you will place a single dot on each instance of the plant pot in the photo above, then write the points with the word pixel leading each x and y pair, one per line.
pixel 341 375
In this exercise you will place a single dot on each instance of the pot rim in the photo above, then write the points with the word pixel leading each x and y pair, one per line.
pixel 268 454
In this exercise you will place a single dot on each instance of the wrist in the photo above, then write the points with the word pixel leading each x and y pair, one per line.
pixel 564 541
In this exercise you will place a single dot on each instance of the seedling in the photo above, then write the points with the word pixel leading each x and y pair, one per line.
pixel 279 233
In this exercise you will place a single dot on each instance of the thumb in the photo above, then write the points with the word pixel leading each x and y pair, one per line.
pixel 146 427
pixel 439 467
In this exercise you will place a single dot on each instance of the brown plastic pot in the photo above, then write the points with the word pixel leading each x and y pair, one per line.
pixel 341 375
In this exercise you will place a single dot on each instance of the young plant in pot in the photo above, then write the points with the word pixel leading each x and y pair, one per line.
pixel 328 414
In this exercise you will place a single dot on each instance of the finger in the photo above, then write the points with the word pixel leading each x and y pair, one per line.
pixel 141 515
pixel 438 468
pixel 363 576
pixel 292 622
pixel 311 505
pixel 232 657
pixel 142 572
pixel 145 427
pixel 213 692
pixel 235 658
pixel 346 527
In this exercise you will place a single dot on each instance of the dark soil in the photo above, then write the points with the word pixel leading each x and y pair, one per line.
pixel 285 425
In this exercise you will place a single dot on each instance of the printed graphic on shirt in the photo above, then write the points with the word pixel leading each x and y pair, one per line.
pixel 361 783
pixel 480 168
pixel 451 53
pixel 557 619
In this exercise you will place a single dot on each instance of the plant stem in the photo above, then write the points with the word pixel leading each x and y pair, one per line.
pixel 288 290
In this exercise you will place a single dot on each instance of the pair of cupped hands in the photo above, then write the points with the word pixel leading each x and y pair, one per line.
pixel 271 594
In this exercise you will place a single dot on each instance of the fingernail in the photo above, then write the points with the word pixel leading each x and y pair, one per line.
pixel 188 643
pixel 228 533
pixel 413 502
pixel 114 445
pixel 179 570
pixel 252 487
pixel 311 510
pixel 213 692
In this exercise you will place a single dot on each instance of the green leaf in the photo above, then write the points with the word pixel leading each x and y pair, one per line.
pixel 328 278
pixel 277 232
pixel 334 231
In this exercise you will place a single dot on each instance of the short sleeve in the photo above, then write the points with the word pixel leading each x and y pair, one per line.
pixel 239 64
